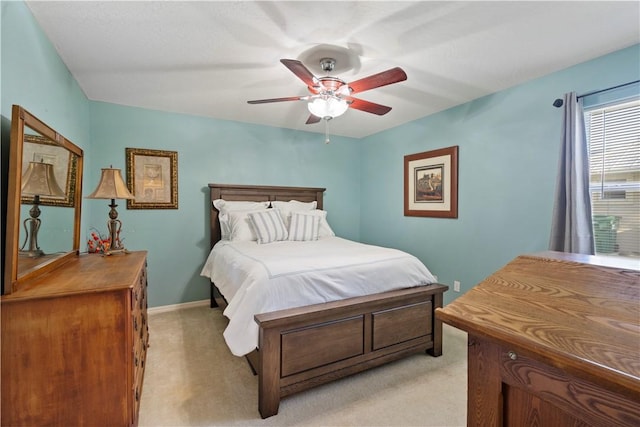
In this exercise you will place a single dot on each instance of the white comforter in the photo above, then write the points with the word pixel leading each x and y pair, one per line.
pixel 258 278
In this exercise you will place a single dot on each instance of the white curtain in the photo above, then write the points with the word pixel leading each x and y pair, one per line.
pixel 571 226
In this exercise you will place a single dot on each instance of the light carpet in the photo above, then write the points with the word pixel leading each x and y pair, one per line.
pixel 192 379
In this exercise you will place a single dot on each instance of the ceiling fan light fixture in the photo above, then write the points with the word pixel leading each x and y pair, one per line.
pixel 331 96
pixel 327 106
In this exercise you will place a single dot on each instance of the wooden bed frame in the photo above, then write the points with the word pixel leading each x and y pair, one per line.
pixel 303 347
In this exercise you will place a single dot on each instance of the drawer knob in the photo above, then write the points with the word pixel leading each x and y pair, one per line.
pixel 512 355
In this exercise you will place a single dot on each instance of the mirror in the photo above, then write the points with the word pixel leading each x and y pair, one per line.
pixel 43 202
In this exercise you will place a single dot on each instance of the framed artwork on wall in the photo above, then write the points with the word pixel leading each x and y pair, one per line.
pixel 431 183
pixel 152 177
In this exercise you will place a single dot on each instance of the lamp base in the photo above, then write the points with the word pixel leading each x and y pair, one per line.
pixel 121 251
pixel 35 253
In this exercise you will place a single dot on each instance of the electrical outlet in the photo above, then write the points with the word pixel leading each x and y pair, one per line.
pixel 456 286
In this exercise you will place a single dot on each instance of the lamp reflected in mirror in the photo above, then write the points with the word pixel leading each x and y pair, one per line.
pixel 112 186
pixel 38 180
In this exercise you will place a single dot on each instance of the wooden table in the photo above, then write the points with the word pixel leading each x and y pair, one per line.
pixel 554 340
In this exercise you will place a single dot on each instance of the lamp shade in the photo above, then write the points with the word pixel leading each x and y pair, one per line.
pixel 327 106
pixel 111 186
pixel 39 180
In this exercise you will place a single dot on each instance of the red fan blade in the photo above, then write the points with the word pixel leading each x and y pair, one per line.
pixel 384 78
pixel 312 119
pixel 290 98
pixel 368 107
pixel 301 71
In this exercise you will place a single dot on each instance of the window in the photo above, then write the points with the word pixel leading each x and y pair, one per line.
pixel 613 136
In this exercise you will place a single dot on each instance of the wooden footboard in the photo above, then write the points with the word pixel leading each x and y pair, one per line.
pixel 304 347
pixel 300 348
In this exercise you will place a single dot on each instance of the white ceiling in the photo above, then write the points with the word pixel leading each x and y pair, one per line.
pixel 208 58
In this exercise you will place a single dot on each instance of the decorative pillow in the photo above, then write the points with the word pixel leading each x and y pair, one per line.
pixel 240 227
pixel 304 226
pixel 268 226
pixel 325 229
pixel 226 206
pixel 292 206
pixel 287 208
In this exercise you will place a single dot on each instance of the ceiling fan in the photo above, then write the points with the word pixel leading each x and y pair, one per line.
pixel 331 96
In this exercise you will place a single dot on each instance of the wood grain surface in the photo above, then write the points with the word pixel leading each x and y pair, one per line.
pixel 563 328
pixel 74 344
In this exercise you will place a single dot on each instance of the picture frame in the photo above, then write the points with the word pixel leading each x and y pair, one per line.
pixel 38 148
pixel 431 183
pixel 152 177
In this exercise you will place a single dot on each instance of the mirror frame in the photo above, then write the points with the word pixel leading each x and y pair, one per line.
pixel 21 118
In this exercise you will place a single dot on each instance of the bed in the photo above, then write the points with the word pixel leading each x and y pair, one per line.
pixel 304 346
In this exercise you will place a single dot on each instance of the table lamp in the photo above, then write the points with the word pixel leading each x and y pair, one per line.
pixel 112 186
pixel 38 180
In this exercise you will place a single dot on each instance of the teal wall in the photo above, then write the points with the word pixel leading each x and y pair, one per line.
pixel 212 151
pixel 209 151
pixel 34 76
pixel 508 154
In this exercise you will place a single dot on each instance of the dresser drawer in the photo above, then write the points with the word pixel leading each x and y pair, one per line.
pixel 139 299
pixel 140 338
pixel 578 398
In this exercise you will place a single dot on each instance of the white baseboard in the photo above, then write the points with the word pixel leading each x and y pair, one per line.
pixel 181 306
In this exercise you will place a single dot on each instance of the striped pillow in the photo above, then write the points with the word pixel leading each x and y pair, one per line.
pixel 303 226
pixel 268 226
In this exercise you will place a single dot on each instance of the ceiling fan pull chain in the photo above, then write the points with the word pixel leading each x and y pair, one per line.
pixel 326 130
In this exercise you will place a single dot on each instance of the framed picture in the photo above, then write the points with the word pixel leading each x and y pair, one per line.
pixel 431 183
pixel 38 149
pixel 152 177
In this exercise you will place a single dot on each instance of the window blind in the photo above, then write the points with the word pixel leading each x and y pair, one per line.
pixel 613 136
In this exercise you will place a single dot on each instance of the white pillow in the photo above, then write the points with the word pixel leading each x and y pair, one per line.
pixel 226 206
pixel 240 228
pixel 303 206
pixel 292 206
pixel 268 226
pixel 304 226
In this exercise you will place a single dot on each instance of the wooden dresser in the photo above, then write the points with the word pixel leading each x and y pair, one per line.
pixel 554 340
pixel 74 344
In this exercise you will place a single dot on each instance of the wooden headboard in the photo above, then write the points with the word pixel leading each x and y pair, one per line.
pixel 256 193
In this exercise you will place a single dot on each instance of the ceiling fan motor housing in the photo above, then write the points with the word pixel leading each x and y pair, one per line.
pixel 330 86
